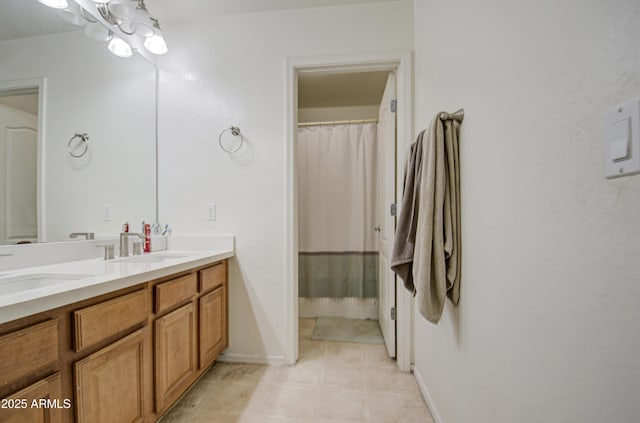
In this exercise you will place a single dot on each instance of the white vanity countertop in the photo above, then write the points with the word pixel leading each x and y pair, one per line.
pixel 84 279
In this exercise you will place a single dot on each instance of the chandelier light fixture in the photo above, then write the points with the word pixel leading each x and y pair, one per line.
pixel 126 25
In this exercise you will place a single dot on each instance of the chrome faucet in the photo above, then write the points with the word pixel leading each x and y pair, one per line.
pixel 86 235
pixel 124 242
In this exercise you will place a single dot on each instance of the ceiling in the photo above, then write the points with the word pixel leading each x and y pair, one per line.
pixel 341 89
pixel 167 10
pixel 28 18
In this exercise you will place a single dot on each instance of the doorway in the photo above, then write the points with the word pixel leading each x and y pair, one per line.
pixel 20 142
pixel 339 201
pixel 398 63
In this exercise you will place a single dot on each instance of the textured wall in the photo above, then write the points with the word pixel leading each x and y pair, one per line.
pixel 230 70
pixel 547 328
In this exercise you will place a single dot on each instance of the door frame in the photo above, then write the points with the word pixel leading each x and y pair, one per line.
pixel 401 61
pixel 41 85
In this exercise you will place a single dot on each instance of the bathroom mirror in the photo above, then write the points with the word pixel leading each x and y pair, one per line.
pixel 79 87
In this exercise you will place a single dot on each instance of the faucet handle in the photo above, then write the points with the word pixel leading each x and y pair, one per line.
pixel 109 251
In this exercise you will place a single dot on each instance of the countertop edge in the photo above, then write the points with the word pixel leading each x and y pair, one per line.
pixel 20 309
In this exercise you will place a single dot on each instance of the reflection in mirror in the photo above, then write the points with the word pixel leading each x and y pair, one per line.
pixel 18 169
pixel 87 90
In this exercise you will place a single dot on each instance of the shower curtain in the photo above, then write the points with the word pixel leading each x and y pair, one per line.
pixel 337 191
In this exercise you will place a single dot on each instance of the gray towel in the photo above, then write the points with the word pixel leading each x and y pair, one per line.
pixel 426 250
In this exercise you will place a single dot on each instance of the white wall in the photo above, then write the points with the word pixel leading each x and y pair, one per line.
pixel 230 70
pixel 112 100
pixel 548 325
pixel 324 114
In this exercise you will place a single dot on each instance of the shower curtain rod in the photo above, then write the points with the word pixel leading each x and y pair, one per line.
pixel 338 122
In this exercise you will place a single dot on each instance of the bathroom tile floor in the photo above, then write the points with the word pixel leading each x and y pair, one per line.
pixel 333 382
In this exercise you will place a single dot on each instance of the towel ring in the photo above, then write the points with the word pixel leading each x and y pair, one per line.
pixel 235 131
pixel 84 138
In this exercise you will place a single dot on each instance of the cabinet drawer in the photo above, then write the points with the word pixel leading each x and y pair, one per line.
pixel 212 277
pixel 25 351
pixel 101 321
pixel 45 393
pixel 174 292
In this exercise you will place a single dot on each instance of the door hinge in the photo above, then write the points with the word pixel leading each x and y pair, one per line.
pixel 392 209
pixel 394 105
pixel 393 313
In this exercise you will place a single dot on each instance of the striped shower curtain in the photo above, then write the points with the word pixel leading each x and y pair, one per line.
pixel 337 191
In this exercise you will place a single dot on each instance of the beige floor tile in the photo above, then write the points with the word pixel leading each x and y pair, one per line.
pixel 346 354
pixel 306 323
pixel 321 420
pixel 305 328
pixel 377 356
pixel 390 380
pixel 333 382
pixel 237 418
pixel 234 372
pixel 388 407
pixel 352 378
pixel 284 401
pixel 305 333
pixel 339 403
pixel 300 374
pixel 310 352
pixel 229 398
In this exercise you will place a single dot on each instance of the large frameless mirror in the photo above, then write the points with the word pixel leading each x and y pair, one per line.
pixel 55 83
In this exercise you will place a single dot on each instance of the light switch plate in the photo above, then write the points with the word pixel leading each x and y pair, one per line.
pixel 211 211
pixel 622 139
pixel 107 213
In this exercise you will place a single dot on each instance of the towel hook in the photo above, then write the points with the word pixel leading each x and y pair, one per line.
pixel 235 131
pixel 84 138
pixel 458 115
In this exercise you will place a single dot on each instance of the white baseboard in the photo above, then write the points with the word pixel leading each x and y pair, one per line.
pixel 252 359
pixel 427 397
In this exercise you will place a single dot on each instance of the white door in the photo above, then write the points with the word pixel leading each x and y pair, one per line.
pixel 18 176
pixel 387 195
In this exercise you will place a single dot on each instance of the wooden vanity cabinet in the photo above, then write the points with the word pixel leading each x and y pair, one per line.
pixel 213 314
pixel 111 383
pixel 121 357
pixel 38 403
pixel 212 318
pixel 189 338
pixel 175 354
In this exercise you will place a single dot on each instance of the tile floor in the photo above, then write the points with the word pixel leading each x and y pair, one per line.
pixel 333 382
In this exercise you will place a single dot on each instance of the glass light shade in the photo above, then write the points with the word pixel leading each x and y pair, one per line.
pixel 72 15
pixel 142 24
pixel 119 47
pixel 122 9
pixel 155 44
pixel 57 4
pixel 97 31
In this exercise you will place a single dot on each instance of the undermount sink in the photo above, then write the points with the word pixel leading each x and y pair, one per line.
pixel 27 282
pixel 154 258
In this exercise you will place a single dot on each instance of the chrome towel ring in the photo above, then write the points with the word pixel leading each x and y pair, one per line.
pixel 235 131
pixel 84 139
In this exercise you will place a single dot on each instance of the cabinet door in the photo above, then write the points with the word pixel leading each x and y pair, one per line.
pixel 175 354
pixel 38 403
pixel 213 325
pixel 110 383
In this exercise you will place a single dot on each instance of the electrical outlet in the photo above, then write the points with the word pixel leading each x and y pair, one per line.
pixel 211 211
pixel 107 213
